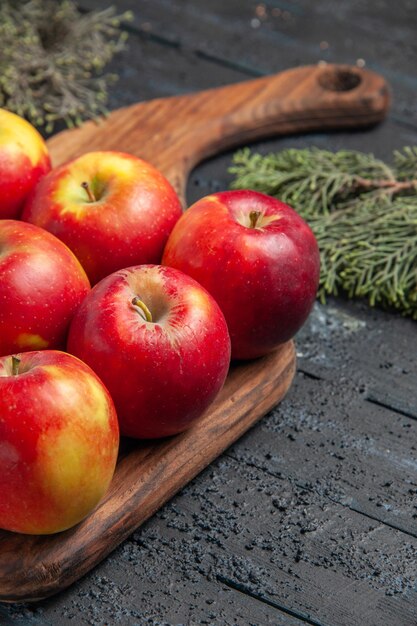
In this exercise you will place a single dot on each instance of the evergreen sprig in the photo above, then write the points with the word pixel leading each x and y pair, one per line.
pixel 362 211
pixel 406 163
pixel 51 57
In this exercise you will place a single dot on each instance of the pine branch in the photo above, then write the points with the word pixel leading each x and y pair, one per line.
pixel 51 57
pixel 363 213
pixel 312 179
pixel 371 254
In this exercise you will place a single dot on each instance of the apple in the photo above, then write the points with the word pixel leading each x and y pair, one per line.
pixel 259 260
pixel 160 344
pixel 112 209
pixel 42 284
pixel 24 160
pixel 59 440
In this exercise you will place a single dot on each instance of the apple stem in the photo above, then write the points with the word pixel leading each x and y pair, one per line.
pixel 137 302
pixel 15 365
pixel 254 216
pixel 91 196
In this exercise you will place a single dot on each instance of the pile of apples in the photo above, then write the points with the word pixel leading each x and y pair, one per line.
pixel 143 352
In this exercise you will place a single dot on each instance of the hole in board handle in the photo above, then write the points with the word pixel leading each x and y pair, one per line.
pixel 339 79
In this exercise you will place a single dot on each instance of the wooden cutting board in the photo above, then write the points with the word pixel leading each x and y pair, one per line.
pixel 175 134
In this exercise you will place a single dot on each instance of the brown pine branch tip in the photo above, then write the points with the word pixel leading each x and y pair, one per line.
pixel 390 186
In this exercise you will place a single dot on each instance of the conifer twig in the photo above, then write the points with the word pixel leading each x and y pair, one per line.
pixel 52 58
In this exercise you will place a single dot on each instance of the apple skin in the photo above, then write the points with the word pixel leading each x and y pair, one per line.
pixel 59 440
pixel 42 284
pixel 24 159
pixel 264 278
pixel 162 375
pixel 128 224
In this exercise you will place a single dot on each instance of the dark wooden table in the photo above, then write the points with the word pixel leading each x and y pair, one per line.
pixel 311 518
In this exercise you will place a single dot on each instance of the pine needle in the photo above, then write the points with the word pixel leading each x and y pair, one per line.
pixel 362 211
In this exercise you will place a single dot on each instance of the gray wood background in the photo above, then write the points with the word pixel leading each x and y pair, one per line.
pixel 311 518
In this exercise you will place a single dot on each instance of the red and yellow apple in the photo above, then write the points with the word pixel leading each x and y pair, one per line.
pixel 59 440
pixel 259 260
pixel 24 160
pixel 160 344
pixel 42 284
pixel 112 209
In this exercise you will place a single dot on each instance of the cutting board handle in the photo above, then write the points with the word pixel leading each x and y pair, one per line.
pixel 302 99
pixel 176 133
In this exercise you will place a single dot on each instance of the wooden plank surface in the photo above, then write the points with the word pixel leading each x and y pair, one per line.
pixel 234 553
